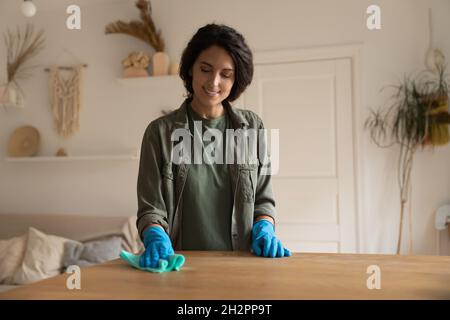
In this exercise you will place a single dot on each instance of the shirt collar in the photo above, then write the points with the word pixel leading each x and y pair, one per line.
pixel 181 116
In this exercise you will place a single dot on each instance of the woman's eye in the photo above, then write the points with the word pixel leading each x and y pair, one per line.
pixel 227 76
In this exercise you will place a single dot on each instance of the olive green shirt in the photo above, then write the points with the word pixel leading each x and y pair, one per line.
pixel 207 195
pixel 160 185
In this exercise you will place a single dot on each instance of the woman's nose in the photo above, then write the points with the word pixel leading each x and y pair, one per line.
pixel 215 80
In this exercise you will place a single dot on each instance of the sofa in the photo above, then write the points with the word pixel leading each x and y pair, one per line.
pixel 34 247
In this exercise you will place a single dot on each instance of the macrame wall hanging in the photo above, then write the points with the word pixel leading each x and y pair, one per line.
pixel 65 98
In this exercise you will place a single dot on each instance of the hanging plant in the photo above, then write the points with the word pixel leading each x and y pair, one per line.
pixel 417 116
pixel 438 113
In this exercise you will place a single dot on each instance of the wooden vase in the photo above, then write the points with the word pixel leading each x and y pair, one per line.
pixel 160 64
pixel 174 67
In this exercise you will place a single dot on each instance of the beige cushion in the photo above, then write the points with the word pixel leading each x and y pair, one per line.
pixel 72 226
pixel 11 256
pixel 42 259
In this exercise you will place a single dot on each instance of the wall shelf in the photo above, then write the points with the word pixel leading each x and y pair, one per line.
pixel 151 80
pixel 72 158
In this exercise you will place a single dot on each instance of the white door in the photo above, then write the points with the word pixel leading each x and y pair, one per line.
pixel 311 105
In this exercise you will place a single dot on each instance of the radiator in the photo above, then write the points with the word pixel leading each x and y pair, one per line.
pixel 442 224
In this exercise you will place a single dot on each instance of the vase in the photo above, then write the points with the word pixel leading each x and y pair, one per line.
pixel 160 62
pixel 174 67
pixel 10 95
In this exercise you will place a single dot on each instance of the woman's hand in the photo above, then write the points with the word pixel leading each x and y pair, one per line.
pixel 264 242
pixel 157 246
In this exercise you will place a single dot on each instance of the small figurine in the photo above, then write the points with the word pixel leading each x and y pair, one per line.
pixel 61 153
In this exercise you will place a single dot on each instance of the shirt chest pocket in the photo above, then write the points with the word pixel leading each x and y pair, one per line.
pixel 247 178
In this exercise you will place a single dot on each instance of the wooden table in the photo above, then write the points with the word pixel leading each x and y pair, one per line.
pixel 240 275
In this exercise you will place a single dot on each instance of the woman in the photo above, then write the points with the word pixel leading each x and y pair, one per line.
pixel 192 205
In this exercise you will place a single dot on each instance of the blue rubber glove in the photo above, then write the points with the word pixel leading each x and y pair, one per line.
pixel 265 243
pixel 157 246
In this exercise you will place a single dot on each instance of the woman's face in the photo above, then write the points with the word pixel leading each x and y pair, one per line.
pixel 212 76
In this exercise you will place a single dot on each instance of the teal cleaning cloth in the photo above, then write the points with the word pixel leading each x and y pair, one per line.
pixel 175 262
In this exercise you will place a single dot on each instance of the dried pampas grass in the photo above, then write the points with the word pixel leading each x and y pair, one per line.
pixel 21 47
pixel 144 29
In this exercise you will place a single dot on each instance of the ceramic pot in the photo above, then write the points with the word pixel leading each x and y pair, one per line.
pixel 160 62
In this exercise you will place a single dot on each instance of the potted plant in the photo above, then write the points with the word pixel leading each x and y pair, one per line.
pixel 417 116
pixel 20 48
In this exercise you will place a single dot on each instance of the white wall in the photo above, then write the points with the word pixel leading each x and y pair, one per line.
pixel 114 116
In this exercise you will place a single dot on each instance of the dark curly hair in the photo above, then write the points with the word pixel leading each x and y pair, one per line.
pixel 230 40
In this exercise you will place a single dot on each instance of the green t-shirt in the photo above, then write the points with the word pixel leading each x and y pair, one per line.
pixel 207 195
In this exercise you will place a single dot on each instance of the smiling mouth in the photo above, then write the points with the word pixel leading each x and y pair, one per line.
pixel 211 93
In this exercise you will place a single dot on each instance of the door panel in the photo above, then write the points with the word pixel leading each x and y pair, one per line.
pixel 310 103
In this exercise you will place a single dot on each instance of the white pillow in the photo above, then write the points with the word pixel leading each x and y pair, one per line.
pixel 11 256
pixel 43 257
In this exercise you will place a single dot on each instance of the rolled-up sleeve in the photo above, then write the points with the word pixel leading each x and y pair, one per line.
pixel 264 199
pixel 151 205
